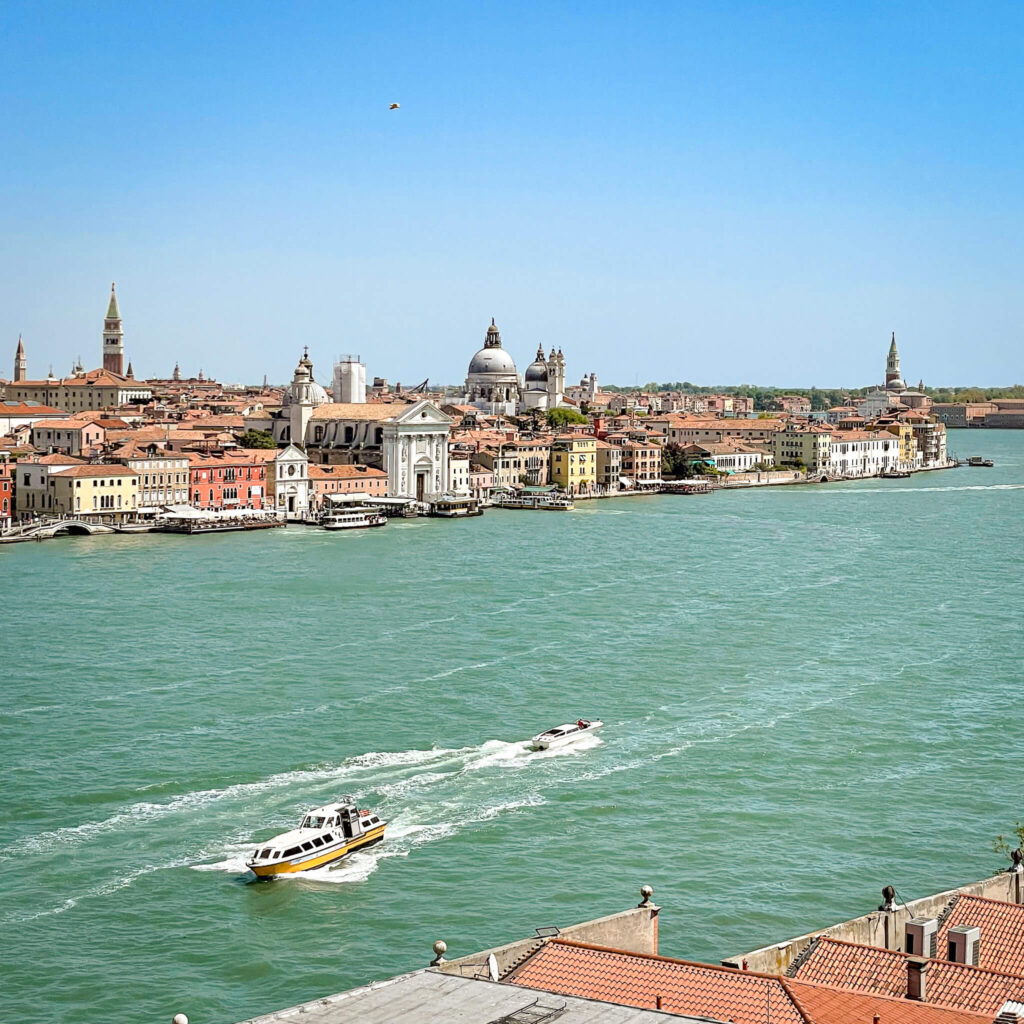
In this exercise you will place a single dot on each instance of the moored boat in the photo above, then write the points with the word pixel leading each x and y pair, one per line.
pixel 325 835
pixel 563 734
pixel 353 519
pixel 555 503
pixel 979 460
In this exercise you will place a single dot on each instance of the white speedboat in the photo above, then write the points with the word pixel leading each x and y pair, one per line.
pixel 353 519
pixel 326 834
pixel 563 734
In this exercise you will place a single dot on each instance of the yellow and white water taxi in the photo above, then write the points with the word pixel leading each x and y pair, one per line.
pixel 325 835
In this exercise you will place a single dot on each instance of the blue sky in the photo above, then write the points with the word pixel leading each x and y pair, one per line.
pixel 714 192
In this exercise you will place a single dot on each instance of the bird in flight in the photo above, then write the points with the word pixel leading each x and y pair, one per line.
pixel 394 106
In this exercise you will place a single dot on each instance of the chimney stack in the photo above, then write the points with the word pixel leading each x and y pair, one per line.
pixel 917 969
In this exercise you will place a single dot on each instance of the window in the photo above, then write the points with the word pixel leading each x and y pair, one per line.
pixel 291 852
pixel 307 846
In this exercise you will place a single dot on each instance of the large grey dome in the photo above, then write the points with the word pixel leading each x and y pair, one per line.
pixel 492 360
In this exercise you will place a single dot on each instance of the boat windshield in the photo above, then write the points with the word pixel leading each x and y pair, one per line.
pixel 311 822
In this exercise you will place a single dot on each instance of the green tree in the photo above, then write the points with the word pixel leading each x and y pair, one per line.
pixel 1002 844
pixel 562 417
pixel 257 439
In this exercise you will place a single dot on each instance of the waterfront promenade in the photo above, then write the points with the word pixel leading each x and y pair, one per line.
pixel 760 661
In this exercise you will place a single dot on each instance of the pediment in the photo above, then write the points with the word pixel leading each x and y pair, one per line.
pixel 423 413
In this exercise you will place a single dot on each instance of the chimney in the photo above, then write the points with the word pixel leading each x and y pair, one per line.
pixel 917 968
pixel 921 935
pixel 964 944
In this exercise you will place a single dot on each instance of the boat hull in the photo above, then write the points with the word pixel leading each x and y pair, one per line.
pixel 539 743
pixel 322 860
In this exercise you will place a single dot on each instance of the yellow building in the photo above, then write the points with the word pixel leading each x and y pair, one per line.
pixel 111 491
pixel 808 445
pixel 574 463
pixel 904 431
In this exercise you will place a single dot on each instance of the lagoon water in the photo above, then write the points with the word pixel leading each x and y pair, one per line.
pixel 808 693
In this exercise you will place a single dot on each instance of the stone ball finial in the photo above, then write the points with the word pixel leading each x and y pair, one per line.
pixel 646 892
pixel 180 1018
pixel 440 948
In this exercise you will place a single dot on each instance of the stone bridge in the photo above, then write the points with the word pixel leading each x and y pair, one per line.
pixel 47 528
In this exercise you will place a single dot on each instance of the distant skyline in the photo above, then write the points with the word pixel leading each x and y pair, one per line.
pixel 737 192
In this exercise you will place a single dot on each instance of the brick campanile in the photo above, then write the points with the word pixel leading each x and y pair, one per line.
pixel 113 337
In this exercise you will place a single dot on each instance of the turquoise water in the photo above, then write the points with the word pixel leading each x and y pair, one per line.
pixel 808 693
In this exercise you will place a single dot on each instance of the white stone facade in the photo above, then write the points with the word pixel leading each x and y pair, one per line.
pixel 415 452
pixel 288 486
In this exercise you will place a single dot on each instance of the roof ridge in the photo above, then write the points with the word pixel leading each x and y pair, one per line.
pixel 794 1000
pixel 558 940
pixel 802 957
pixel 948 909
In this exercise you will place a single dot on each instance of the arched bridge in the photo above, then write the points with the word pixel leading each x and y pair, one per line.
pixel 47 528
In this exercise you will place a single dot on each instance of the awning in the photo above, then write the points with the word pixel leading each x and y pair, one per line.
pixel 624 481
pixel 350 497
pixel 183 512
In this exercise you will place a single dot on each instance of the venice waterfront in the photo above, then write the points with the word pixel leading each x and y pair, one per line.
pixel 808 692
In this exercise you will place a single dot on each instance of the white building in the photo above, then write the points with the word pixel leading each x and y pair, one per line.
pixel 856 453
pixel 349 380
pixel 458 474
pixel 415 450
pixel 288 487
pixel 33 493
pixel 164 477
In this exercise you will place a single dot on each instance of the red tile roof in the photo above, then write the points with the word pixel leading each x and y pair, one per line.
pixel 1002 931
pixel 724 993
pixel 824 1005
pixel 633 979
pixel 868 968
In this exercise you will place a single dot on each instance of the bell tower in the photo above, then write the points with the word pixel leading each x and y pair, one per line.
pixel 113 337
pixel 20 364
pixel 893 380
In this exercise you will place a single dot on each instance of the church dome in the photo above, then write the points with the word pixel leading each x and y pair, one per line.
pixel 492 360
pixel 537 371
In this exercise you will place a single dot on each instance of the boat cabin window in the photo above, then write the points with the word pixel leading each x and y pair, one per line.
pixel 307 846
pixel 311 822
pixel 291 853
pixel 318 841
pixel 266 853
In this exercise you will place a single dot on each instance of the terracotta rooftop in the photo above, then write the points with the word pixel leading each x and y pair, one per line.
pixel 882 971
pixel 824 1005
pixel 1002 931
pixel 723 993
pixel 97 470
pixel 356 411
pixel 9 407
pixel 632 979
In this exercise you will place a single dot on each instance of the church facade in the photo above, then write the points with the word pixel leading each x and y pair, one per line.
pixel 408 441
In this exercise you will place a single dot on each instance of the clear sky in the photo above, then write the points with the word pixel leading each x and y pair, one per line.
pixel 715 192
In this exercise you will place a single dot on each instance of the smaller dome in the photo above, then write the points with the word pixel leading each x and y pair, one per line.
pixel 536 371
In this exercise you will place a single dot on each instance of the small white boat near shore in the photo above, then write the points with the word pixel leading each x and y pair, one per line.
pixel 564 734
pixel 354 519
